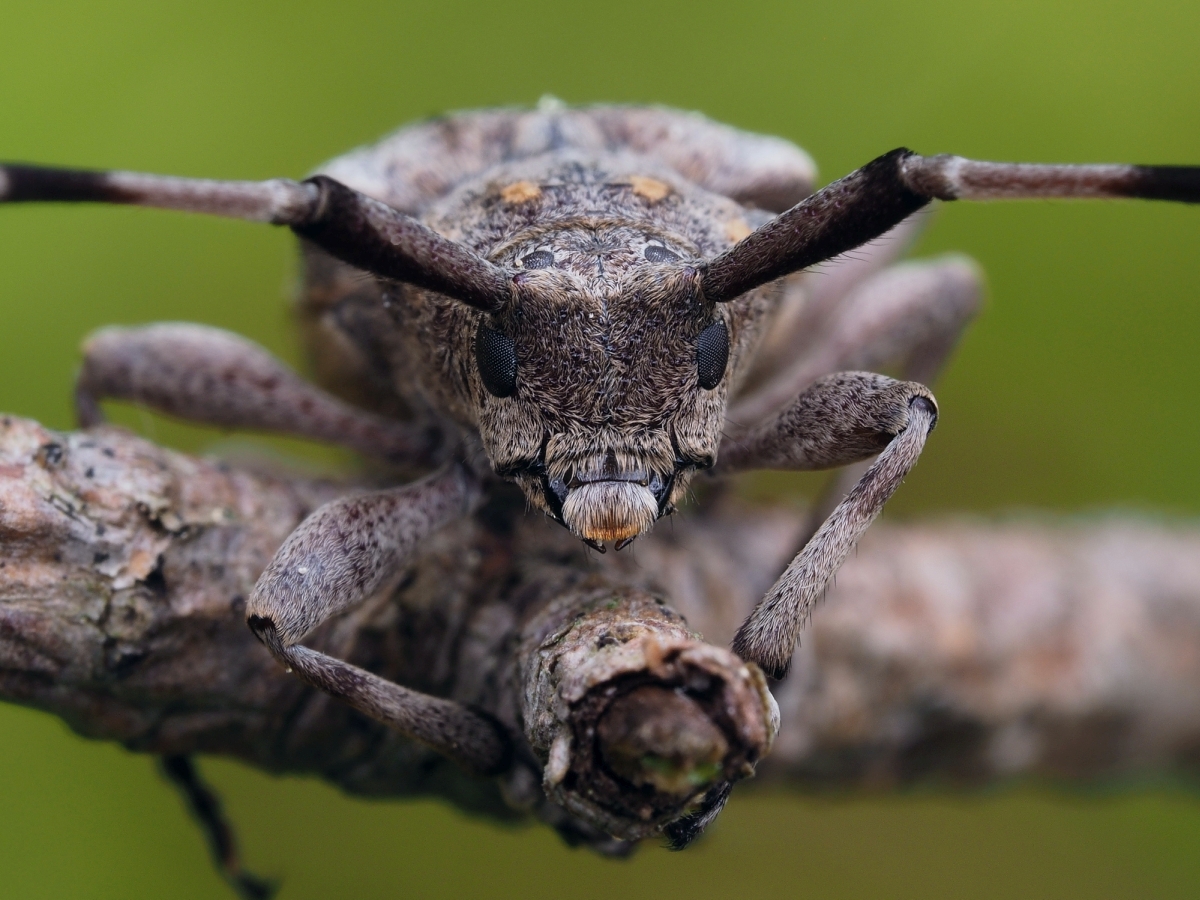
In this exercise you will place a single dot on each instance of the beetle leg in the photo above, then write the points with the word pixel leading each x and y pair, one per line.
pixel 205 807
pixel 841 419
pixel 907 318
pixel 811 301
pixel 219 378
pixel 342 554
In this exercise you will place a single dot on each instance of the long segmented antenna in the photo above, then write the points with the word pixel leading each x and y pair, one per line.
pixel 351 226
pixel 871 200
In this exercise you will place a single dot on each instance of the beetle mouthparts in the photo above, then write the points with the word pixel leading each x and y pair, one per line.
pixel 609 510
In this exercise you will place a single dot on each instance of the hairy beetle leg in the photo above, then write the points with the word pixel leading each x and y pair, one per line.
pixel 342 554
pixel 909 317
pixel 215 377
pixel 841 419
pixel 205 807
pixel 906 319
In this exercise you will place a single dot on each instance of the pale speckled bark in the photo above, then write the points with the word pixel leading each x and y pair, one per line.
pixel 964 651
pixel 123 599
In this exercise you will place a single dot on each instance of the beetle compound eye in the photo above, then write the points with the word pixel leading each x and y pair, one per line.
pixel 656 253
pixel 712 354
pixel 538 259
pixel 496 355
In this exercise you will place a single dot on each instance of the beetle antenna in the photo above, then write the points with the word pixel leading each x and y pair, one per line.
pixel 870 201
pixel 351 226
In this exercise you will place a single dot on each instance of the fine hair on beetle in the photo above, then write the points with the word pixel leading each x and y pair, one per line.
pixel 595 305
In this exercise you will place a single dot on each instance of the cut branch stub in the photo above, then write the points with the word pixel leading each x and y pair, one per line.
pixel 634 716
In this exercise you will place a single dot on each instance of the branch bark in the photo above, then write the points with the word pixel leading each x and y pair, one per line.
pixel 963 651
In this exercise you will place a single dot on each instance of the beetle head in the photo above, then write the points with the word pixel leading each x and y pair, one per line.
pixel 602 394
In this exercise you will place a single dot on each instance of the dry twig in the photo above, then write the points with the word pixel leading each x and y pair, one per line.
pixel 963 651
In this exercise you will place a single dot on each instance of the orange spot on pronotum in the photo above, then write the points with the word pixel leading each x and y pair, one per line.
pixel 649 188
pixel 520 192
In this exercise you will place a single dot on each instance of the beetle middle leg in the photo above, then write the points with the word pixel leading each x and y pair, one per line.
pixel 342 554
pixel 216 377
pixel 841 419
pixel 810 301
pixel 906 319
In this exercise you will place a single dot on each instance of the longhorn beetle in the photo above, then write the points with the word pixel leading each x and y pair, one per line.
pixel 590 303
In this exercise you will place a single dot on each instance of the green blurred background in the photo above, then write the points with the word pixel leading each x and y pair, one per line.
pixel 1075 391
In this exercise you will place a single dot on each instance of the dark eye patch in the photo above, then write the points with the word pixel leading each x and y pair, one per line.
pixel 656 253
pixel 496 356
pixel 538 259
pixel 712 354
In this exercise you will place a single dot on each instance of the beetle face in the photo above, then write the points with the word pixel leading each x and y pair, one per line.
pixel 602 398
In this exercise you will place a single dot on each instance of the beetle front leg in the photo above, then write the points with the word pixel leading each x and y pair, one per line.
pixel 342 554
pixel 841 419
pixel 907 318
pixel 207 375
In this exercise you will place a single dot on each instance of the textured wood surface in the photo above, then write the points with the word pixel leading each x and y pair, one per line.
pixel 961 651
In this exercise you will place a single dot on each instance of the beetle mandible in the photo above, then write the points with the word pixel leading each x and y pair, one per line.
pixel 593 304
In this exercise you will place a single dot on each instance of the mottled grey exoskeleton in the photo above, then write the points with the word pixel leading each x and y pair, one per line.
pixel 593 304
